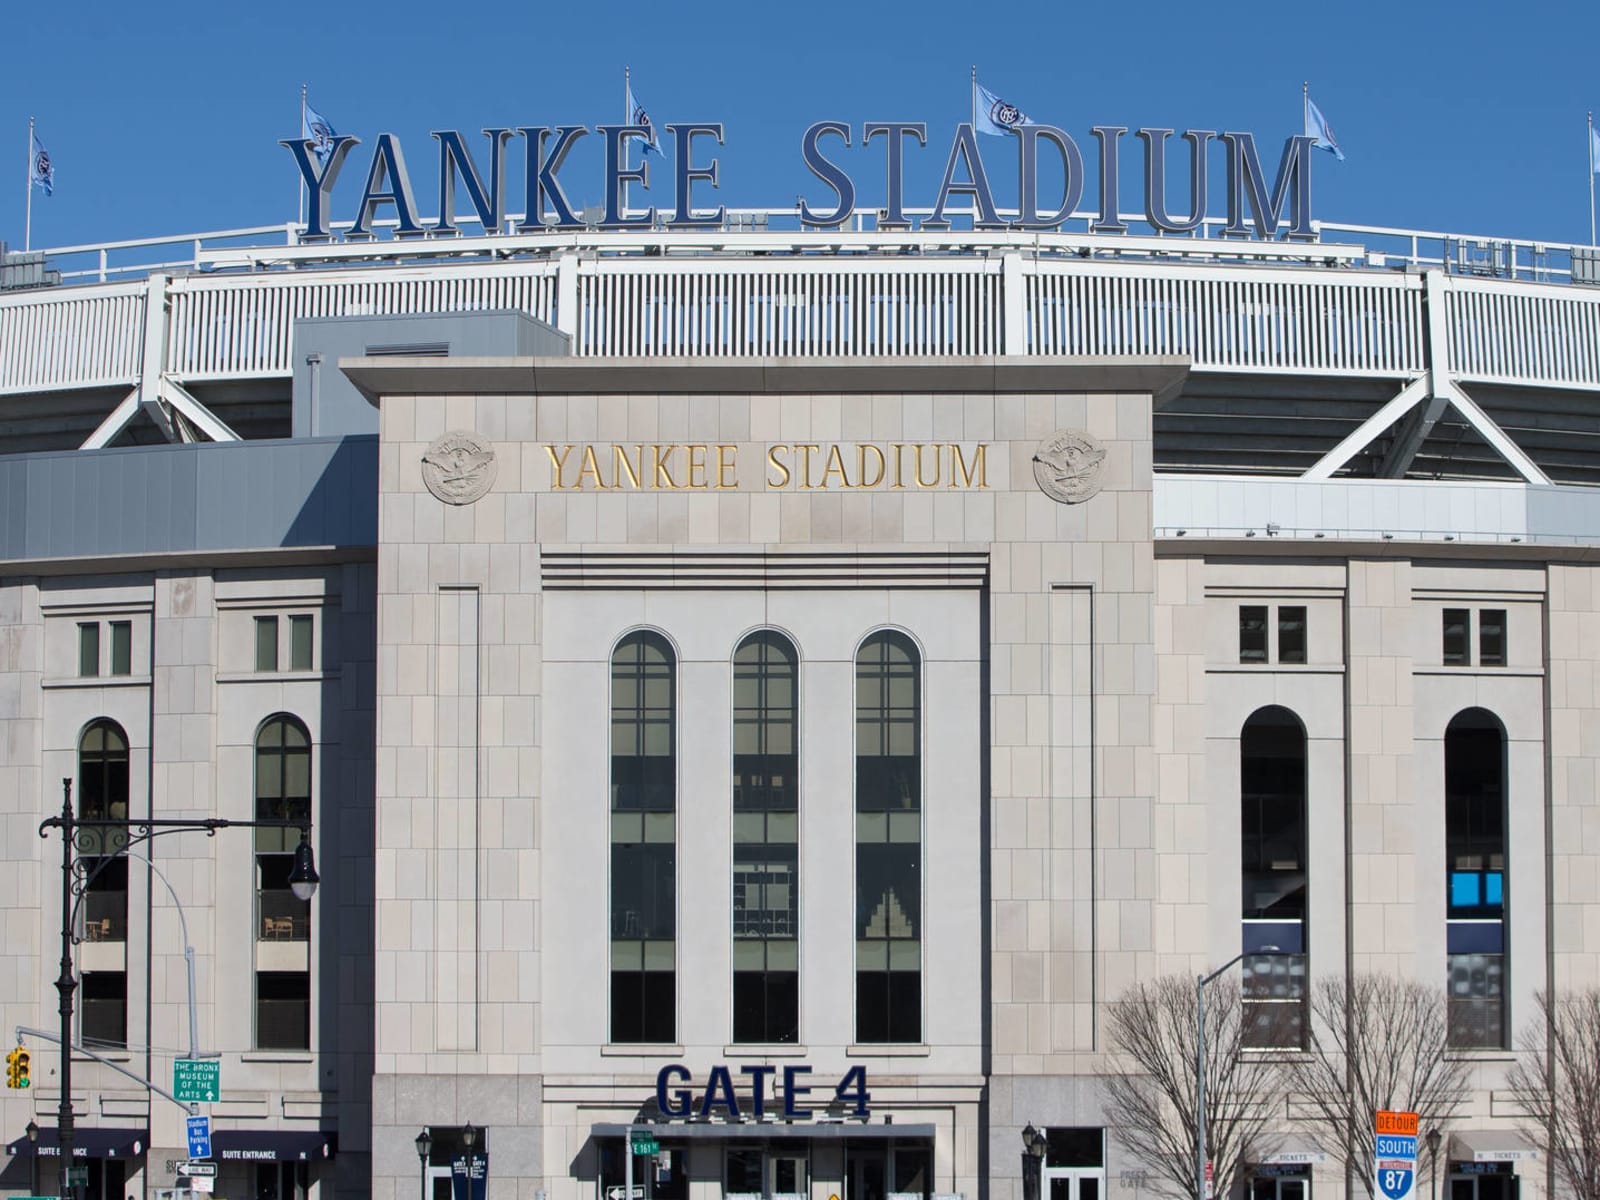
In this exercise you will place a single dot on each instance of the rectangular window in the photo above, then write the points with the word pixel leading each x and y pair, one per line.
pixel 300 642
pixel 122 647
pixel 88 649
pixel 1292 633
pixel 1457 624
pixel 266 643
pixel 283 918
pixel 1477 1001
pixel 1252 633
pixel 283 1010
pixel 1491 637
pixel 105 1007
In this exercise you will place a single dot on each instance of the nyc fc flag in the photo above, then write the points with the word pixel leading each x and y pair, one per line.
pixel 1317 127
pixel 42 172
pixel 998 116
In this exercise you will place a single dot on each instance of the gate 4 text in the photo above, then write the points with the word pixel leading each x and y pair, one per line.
pixel 851 1091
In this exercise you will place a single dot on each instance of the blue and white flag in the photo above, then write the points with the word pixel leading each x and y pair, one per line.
pixel 1317 127
pixel 1594 151
pixel 42 172
pixel 319 131
pixel 998 116
pixel 638 115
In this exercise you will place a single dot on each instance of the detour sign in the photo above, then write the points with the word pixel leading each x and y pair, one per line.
pixel 1395 1161
pixel 1397 1122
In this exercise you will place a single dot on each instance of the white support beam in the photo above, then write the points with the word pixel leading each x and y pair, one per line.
pixel 1404 448
pixel 154 358
pixel 1370 429
pixel 1492 433
pixel 197 414
pixel 114 424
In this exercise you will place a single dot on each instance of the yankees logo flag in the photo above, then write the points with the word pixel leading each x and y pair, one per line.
pixel 997 116
pixel 637 115
pixel 319 131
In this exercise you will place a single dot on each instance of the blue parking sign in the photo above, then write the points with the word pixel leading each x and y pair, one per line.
pixel 199 1137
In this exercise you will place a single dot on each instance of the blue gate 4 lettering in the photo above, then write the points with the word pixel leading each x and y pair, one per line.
pixel 675 1100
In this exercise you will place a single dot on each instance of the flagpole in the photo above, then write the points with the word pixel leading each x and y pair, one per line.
pixel 627 119
pixel 300 188
pixel 974 98
pixel 28 221
pixel 1593 166
pixel 1305 105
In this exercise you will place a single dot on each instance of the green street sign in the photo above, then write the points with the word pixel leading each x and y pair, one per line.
pixel 644 1143
pixel 197 1079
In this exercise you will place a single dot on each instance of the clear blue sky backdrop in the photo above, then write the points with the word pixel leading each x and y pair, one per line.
pixel 163 118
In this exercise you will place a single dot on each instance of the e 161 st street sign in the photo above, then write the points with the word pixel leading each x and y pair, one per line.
pixel 196 1080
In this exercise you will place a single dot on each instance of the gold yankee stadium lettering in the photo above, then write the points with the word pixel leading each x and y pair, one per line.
pixel 789 466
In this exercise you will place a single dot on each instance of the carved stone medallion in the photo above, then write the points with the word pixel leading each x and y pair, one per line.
pixel 1068 466
pixel 459 467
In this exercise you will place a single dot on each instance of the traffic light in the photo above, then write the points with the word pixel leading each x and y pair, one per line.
pixel 23 1059
pixel 11 1067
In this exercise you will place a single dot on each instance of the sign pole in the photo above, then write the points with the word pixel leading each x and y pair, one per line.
pixel 27 223
pixel 627 1190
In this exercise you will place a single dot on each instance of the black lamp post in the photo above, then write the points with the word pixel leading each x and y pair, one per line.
pixel 1034 1145
pixel 469 1137
pixel 32 1131
pixel 424 1144
pixel 1434 1137
pixel 81 833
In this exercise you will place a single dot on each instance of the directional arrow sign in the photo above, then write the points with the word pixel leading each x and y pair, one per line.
pixel 196 1079
pixel 199 1137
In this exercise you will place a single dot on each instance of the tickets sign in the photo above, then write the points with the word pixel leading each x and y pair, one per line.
pixel 1395 1154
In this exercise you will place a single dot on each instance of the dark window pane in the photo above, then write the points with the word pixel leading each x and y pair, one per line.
pixel 1272 776
pixel 1292 633
pixel 283 782
pixel 283 1010
pixel 1252 633
pixel 300 642
pixel 905 1006
pixel 744 1172
pixel 102 786
pixel 1477 1001
pixel 104 997
pixel 89 649
pixel 642 1005
pixel 872 1006
pixel 282 918
pixel 121 648
pixel 1491 637
pixel 1456 624
pixel 765 1006
pixel 1475 869
pixel 913 1169
pixel 1075 1147
pixel 643 887
pixel 1274 1001
pixel 266 643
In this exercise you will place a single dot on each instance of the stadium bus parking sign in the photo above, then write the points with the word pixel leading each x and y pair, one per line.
pixel 1395 1160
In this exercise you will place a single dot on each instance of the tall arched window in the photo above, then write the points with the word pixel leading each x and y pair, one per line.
pixel 1475 865
pixel 283 973
pixel 103 795
pixel 888 840
pixel 1272 824
pixel 643 840
pixel 766 842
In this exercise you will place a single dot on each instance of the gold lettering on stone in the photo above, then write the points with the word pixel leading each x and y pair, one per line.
pixel 557 461
pixel 620 463
pixel 959 468
pixel 776 464
pixel 662 472
pixel 862 450
pixel 726 465
pixel 590 469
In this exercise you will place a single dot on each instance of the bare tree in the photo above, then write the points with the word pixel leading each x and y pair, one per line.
pixel 1150 1100
pixel 1375 1042
pixel 1557 1085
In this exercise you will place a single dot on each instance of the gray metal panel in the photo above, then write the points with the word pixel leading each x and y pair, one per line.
pixel 326 404
pixel 175 499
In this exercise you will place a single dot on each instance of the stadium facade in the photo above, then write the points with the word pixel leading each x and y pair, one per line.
pixel 778 689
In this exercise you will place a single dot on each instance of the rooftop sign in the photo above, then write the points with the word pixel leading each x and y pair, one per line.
pixel 829 152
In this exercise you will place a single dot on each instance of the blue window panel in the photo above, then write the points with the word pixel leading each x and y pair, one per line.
pixel 1285 936
pixel 1475 937
pixel 1494 888
pixel 1465 891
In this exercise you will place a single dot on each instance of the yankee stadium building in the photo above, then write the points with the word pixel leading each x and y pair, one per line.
pixel 759 686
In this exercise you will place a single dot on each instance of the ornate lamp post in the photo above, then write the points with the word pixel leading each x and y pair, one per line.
pixel 1434 1137
pixel 32 1130
pixel 424 1145
pixel 81 834
pixel 1034 1145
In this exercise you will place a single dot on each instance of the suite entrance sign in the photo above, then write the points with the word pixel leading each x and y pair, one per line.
pixel 1395 1144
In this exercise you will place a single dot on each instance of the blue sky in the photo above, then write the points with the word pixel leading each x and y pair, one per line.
pixel 163 118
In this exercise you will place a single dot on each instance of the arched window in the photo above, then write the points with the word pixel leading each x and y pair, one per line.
pixel 888 840
pixel 766 842
pixel 283 974
pixel 1475 865
pixel 103 796
pixel 1272 825
pixel 643 840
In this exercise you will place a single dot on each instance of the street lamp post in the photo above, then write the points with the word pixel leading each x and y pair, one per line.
pixel 1034 1146
pixel 1200 1061
pixel 75 881
pixel 1434 1138
pixel 32 1130
pixel 424 1144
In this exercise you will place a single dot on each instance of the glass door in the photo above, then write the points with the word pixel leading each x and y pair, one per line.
pixel 866 1175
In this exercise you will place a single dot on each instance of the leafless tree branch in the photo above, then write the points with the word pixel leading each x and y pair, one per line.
pixel 1557 1085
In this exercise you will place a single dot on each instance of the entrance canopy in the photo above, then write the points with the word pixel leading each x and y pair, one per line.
pixel 87 1142
pixel 1490 1145
pixel 273 1145
pixel 758 1130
